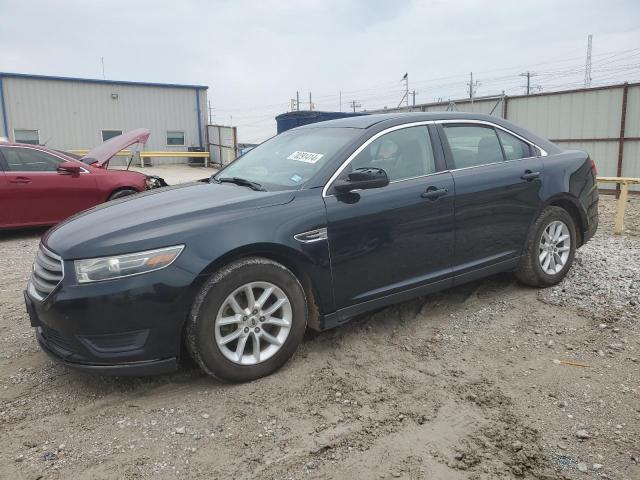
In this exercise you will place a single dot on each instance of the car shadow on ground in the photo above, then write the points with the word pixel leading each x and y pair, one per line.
pixel 189 373
pixel 452 296
pixel 26 233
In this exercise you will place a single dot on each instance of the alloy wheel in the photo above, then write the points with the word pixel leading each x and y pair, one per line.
pixel 253 323
pixel 554 248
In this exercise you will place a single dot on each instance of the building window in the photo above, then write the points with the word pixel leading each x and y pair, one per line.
pixel 31 137
pixel 175 138
pixel 109 134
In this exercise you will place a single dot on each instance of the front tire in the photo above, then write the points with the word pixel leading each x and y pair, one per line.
pixel 549 250
pixel 125 192
pixel 247 320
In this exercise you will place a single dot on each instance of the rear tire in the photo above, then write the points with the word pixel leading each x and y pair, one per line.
pixel 549 250
pixel 247 320
pixel 121 193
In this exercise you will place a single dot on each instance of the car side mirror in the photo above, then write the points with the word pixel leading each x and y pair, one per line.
pixel 69 169
pixel 362 179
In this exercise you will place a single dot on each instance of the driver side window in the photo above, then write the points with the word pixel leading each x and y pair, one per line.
pixel 404 153
pixel 27 160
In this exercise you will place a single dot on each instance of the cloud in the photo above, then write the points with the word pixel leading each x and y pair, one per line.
pixel 255 55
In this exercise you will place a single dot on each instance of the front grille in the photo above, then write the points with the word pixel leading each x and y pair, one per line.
pixel 47 274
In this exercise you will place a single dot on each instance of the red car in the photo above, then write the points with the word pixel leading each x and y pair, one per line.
pixel 40 186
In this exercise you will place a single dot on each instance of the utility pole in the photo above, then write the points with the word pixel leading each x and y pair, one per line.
pixel 354 105
pixel 528 75
pixel 587 67
pixel 297 101
pixel 102 61
pixel 310 103
pixel 472 87
pixel 340 96
pixel 413 103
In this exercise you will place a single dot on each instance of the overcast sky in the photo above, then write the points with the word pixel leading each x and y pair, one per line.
pixel 254 55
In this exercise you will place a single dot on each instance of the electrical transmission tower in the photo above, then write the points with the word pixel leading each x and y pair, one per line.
pixel 405 97
pixel 587 66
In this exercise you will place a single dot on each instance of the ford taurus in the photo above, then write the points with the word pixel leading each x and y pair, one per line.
pixel 307 230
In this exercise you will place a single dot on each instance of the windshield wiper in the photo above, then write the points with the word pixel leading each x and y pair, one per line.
pixel 242 181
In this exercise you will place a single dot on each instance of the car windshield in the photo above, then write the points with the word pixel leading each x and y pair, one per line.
pixel 289 159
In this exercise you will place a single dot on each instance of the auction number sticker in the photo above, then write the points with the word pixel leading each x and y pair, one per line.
pixel 306 157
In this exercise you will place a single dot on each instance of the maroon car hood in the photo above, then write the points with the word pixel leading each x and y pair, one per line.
pixel 100 155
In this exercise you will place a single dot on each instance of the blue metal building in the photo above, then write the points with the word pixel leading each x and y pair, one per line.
pixel 289 120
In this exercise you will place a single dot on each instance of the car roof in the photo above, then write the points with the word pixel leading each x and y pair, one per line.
pixel 385 120
pixel 367 121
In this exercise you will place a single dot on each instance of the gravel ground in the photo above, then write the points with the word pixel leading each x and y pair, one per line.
pixel 489 380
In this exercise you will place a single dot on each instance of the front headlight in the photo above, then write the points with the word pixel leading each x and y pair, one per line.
pixel 108 268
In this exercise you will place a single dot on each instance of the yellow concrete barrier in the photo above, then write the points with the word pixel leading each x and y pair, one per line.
pixel 151 154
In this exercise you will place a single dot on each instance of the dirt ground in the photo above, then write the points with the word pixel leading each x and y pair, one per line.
pixel 489 380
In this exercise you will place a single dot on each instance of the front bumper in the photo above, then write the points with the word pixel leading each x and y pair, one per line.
pixel 148 367
pixel 128 326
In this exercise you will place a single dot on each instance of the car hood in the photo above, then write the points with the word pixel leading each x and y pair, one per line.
pixel 167 216
pixel 100 155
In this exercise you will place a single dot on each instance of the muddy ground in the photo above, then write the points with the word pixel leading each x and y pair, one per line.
pixel 473 383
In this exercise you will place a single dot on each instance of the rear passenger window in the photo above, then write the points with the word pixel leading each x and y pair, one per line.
pixel 403 153
pixel 513 147
pixel 473 145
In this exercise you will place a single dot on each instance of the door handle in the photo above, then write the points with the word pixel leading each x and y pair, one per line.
pixel 20 180
pixel 433 193
pixel 529 175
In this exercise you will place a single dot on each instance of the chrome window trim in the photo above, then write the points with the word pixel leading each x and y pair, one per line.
pixel 337 173
pixel 488 164
pixel 543 152
pixel 416 177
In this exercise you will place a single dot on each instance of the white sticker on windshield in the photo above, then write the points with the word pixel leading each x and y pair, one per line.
pixel 306 157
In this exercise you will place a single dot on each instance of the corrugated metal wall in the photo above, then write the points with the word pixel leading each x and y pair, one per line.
pixel 223 144
pixel 585 119
pixel 72 114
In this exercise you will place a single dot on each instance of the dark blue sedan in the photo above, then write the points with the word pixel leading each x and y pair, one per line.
pixel 309 229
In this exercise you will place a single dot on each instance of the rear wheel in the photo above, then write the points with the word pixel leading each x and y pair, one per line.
pixel 122 193
pixel 247 320
pixel 549 250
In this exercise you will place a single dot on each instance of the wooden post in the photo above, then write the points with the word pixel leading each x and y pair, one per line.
pixel 623 121
pixel 622 204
